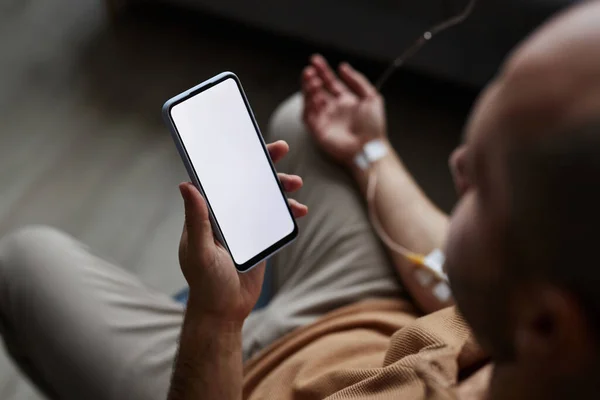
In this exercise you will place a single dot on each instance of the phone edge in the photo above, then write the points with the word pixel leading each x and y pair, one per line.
pixel 166 114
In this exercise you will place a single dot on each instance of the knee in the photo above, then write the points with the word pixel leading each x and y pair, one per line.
pixel 30 236
pixel 286 121
pixel 19 248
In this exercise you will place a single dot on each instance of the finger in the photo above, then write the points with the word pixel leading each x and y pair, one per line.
pixel 308 73
pixel 299 210
pixel 317 102
pixel 315 95
pixel 331 82
pixel 356 81
pixel 197 221
pixel 310 81
pixel 313 86
pixel 290 183
pixel 278 150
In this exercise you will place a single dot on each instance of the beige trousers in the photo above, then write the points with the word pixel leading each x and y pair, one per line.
pixel 82 328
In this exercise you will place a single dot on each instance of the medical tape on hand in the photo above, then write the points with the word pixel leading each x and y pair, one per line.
pixel 432 267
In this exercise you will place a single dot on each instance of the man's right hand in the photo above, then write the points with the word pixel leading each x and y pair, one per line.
pixel 344 113
pixel 217 291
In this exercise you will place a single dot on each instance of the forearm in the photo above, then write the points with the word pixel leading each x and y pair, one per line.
pixel 409 218
pixel 209 361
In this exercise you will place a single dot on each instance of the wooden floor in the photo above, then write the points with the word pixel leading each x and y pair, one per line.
pixel 82 146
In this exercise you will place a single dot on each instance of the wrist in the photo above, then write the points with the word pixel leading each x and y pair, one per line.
pixel 198 314
pixel 369 154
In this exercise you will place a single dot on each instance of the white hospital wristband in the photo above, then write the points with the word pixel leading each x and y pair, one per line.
pixel 371 152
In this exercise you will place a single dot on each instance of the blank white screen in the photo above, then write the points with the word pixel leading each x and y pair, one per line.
pixel 227 155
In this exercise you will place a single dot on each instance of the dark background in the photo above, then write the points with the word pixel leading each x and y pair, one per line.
pixel 426 115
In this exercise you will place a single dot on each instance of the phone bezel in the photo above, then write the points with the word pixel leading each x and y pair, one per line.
pixel 166 111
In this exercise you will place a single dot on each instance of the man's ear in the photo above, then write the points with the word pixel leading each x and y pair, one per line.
pixel 551 328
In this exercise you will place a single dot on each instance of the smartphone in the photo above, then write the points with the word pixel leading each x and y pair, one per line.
pixel 225 155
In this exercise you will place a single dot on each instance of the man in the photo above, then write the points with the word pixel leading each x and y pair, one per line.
pixel 340 326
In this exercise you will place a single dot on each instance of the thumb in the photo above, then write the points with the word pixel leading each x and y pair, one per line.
pixel 197 222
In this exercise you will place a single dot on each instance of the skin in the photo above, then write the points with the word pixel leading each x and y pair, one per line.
pixel 209 361
pixel 548 85
pixel 536 332
pixel 345 111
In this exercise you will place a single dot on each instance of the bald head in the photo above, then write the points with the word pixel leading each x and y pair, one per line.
pixel 551 81
pixel 520 253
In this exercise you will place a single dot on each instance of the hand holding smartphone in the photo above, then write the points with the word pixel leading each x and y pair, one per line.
pixel 220 144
